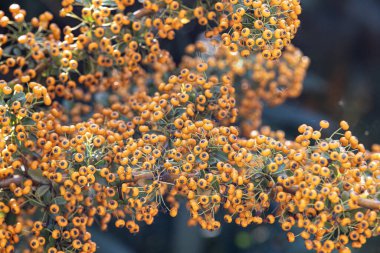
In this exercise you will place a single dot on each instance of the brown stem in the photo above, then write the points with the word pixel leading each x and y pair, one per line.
pixel 39 68
pixel 369 203
pixel 165 177
pixel 16 179
pixel 292 189
pixel 142 13
pixel 365 203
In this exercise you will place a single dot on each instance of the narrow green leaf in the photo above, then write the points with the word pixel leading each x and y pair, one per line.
pixel 20 96
pixel 42 190
pixel 37 176
pixel 59 200
pixel 35 202
pixel 28 121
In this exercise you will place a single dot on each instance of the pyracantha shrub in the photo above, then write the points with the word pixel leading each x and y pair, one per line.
pixel 98 124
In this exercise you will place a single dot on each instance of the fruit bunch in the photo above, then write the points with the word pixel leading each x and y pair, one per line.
pixel 99 125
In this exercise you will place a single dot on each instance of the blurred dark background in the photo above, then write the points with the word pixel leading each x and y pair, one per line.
pixel 342 38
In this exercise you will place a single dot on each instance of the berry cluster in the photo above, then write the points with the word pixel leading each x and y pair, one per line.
pixel 256 79
pixel 96 128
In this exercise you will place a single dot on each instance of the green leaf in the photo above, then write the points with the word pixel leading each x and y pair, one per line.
pixel 110 3
pixel 11 218
pixel 28 121
pixel 101 180
pixel 47 198
pixel 59 200
pixel 51 242
pixel 20 96
pixel 344 229
pixel 42 190
pixel 345 196
pixel 35 202
pixel 37 176
pixel 17 51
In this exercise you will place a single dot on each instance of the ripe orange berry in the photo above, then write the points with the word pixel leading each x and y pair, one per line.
pixel 324 124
